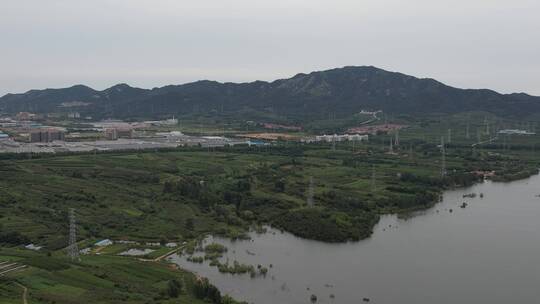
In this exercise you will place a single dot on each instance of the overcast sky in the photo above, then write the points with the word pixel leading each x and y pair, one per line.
pixel 147 43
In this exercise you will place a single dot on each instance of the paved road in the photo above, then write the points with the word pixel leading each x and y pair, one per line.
pixel 374 118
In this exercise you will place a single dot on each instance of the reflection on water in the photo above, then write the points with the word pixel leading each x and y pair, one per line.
pixel 486 251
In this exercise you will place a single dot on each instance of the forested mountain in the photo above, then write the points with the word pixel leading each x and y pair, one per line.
pixel 342 92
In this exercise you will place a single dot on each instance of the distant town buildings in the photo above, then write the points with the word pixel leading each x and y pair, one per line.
pixel 173 135
pixel 25 116
pixel 273 126
pixel 167 122
pixel 116 133
pixel 516 132
pixel 270 136
pixel 74 115
pixel 257 143
pixel 7 123
pixel 47 135
pixel 375 129
pixel 336 138
pixel 111 134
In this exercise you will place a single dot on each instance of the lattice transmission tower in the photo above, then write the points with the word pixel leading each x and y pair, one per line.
pixel 311 192
pixel 73 249
pixel 443 163
pixel 373 178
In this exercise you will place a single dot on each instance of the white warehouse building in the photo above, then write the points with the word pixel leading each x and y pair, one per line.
pixel 336 138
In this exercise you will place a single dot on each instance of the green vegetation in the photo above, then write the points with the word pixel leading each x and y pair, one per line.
pixel 100 279
pixel 183 194
pixel 310 98
pixel 214 251
pixel 236 268
pixel 186 194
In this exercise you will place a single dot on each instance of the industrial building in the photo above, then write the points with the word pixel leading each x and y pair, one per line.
pixel 116 133
pixel 516 132
pixel 336 138
pixel 47 135
pixel 25 116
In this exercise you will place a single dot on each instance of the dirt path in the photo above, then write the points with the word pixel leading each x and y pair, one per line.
pixel 492 139
pixel 11 268
pixel 25 293
pixel 169 253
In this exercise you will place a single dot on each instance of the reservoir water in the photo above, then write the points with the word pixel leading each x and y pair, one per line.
pixel 488 252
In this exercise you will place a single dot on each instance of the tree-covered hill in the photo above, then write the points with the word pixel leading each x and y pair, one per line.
pixel 338 92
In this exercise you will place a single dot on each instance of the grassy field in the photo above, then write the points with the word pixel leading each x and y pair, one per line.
pixel 96 279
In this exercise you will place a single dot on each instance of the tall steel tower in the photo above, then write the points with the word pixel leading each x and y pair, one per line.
pixel 73 249
pixel 310 193
pixel 372 178
pixel 443 163
pixel 467 133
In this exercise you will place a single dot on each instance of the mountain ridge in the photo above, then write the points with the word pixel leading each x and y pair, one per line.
pixel 304 96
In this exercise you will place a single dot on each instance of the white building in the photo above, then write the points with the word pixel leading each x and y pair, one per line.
pixel 515 132
pixel 104 243
pixel 336 138
pixel 33 247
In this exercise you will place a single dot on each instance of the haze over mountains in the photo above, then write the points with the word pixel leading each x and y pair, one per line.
pixel 341 91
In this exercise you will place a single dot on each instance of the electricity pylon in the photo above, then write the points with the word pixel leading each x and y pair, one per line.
pixel 310 192
pixel 73 250
pixel 373 178
pixel 443 163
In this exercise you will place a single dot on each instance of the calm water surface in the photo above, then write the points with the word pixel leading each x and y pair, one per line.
pixel 488 252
